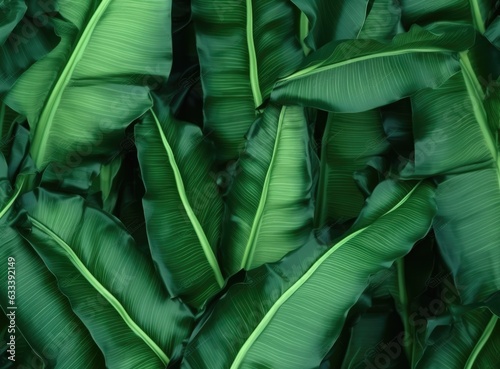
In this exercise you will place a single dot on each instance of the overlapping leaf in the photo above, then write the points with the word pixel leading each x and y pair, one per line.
pixel 275 319
pixel 243 46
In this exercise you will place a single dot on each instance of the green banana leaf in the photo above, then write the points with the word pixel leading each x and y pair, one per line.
pixel 112 287
pixel 8 119
pixel 182 206
pixel 60 340
pixel 449 138
pixel 11 16
pixel 332 20
pixel 288 315
pixel 26 35
pixel 383 21
pixel 493 32
pixel 349 142
pixel 107 183
pixel 359 75
pixel 471 343
pixel 468 246
pixel 80 98
pixel 269 207
pixel 455 129
pixel 475 12
pixel 243 46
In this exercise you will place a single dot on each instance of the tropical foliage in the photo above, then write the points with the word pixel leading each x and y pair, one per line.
pixel 251 184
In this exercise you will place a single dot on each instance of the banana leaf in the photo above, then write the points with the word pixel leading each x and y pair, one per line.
pixel 359 75
pixel 112 287
pixel 80 98
pixel 351 140
pixel 493 32
pixel 475 12
pixel 26 35
pixel 269 206
pixel 332 20
pixel 182 205
pixel 60 340
pixel 288 315
pixel 243 47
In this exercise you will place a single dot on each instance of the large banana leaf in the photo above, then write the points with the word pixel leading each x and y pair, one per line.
pixel 182 205
pixel 350 140
pixel 82 95
pixel 269 205
pixel 112 287
pixel 468 231
pixel 288 315
pixel 243 46
pixel 455 129
pixel 476 12
pixel 332 20
pixel 59 340
pixel 359 75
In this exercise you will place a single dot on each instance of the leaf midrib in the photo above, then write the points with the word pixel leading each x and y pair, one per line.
pixel 13 198
pixel 476 97
pixel 314 69
pixel 250 247
pixel 252 55
pixel 43 126
pixel 476 16
pixel 179 182
pixel 294 287
pixel 481 342
pixel 80 266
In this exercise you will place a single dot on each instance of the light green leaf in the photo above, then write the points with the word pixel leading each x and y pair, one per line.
pixel 269 205
pixel 182 206
pixel 84 93
pixel 359 75
pixel 288 315
pixel 112 287
pixel 59 340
